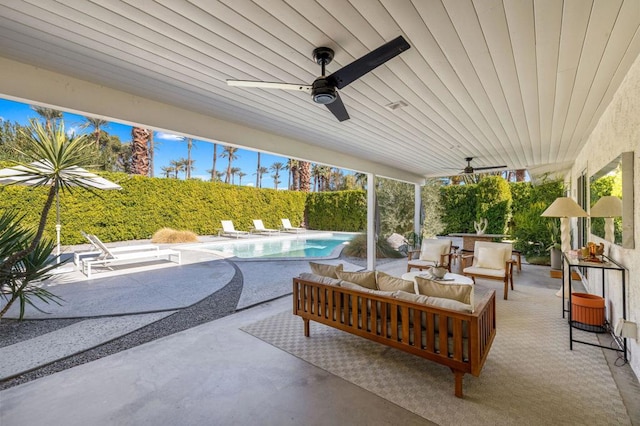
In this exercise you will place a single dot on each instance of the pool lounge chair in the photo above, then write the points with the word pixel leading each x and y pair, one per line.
pixel 229 230
pixel 94 251
pixel 108 256
pixel 286 227
pixel 258 228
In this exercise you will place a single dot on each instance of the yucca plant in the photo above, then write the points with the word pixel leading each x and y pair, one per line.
pixel 24 255
pixel 19 280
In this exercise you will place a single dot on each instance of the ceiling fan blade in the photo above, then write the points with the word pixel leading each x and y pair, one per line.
pixel 338 109
pixel 356 69
pixel 269 85
pixel 489 167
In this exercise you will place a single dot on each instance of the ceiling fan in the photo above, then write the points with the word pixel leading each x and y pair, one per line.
pixel 323 89
pixel 470 170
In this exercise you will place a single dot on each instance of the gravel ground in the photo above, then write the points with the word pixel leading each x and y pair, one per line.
pixel 219 304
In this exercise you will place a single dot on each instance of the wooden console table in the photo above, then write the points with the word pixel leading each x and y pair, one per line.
pixel 469 239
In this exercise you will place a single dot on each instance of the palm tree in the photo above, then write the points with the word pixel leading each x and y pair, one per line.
pixel 219 176
pixel 24 255
pixel 275 168
pixel 167 170
pixel 294 176
pixel 189 162
pixel 152 150
pixel 178 166
pixel 241 175
pixel 305 176
pixel 215 158
pixel 276 180
pixel 315 172
pixel 230 153
pixel 50 115
pixel 139 151
pixel 97 124
pixel 258 172
pixel 234 172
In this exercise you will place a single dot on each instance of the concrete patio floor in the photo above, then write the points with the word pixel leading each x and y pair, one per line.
pixel 161 382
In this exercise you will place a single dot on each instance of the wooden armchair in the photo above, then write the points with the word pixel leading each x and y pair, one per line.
pixel 431 253
pixel 491 261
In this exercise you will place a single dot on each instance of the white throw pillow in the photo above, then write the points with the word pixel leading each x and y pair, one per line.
pixel 491 258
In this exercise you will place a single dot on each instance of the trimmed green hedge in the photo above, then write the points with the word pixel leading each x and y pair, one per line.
pixel 337 211
pixel 147 204
pixel 458 208
pixel 493 202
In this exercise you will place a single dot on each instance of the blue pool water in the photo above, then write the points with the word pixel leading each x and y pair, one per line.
pixel 299 247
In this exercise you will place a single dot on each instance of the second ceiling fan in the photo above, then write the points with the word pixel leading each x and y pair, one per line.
pixel 324 88
pixel 468 170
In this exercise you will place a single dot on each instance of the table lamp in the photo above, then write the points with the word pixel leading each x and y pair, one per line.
pixel 608 207
pixel 564 208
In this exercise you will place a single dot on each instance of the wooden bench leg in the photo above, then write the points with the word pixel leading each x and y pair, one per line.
pixel 458 375
pixel 306 327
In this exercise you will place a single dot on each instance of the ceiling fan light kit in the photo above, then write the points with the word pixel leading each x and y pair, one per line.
pixel 324 89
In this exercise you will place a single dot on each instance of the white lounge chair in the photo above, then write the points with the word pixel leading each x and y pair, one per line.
pixel 229 230
pixel 258 228
pixel 94 251
pixel 107 256
pixel 286 226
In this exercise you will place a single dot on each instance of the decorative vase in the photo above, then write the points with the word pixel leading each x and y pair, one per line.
pixel 439 271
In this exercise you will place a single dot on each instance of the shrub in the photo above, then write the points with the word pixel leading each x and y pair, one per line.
pixel 357 247
pixel 337 211
pixel 493 202
pixel 168 235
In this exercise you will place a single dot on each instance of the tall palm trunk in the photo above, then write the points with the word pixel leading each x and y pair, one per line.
pixel 215 159
pixel 305 176
pixel 188 169
pixel 258 172
pixel 151 153
pixel 139 151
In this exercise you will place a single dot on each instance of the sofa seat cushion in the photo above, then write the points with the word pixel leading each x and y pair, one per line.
pixel 388 282
pixel 474 270
pixel 365 279
pixel 439 302
pixel 325 270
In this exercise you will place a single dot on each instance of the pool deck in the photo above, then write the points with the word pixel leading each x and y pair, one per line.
pixel 126 298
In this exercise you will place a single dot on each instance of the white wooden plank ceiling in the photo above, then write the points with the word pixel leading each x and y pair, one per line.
pixel 515 82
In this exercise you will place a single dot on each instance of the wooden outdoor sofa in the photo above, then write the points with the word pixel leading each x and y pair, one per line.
pixel 410 327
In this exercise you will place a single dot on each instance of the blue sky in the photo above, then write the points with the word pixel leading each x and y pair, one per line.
pixel 167 147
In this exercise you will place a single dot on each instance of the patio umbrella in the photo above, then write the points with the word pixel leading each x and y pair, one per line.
pixel 22 175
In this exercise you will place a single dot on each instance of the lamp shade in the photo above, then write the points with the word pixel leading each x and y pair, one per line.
pixel 564 207
pixel 608 206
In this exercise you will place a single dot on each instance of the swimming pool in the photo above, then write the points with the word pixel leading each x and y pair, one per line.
pixel 322 245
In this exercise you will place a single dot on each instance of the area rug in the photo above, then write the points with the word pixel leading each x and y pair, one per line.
pixel 530 377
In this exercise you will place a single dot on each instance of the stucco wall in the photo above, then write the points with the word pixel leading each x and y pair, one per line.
pixel 617 131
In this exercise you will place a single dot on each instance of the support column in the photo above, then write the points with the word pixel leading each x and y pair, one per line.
pixel 371 222
pixel 417 226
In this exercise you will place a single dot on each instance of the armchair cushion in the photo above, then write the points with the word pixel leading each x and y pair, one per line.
pixel 325 270
pixel 307 276
pixel 491 258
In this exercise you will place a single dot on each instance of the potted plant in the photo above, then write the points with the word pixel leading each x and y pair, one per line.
pixel 555 248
